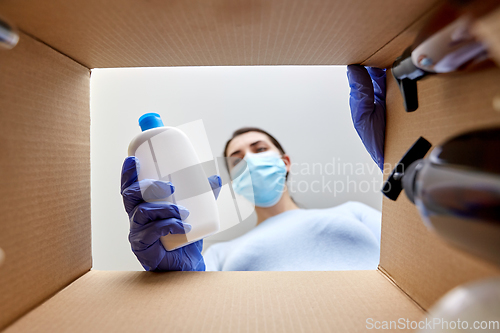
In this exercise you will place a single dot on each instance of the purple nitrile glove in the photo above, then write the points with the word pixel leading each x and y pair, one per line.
pixel 149 221
pixel 367 101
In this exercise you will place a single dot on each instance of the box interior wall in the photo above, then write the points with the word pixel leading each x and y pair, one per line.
pixel 46 282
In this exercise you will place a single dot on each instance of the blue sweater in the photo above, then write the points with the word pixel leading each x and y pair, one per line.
pixel 346 237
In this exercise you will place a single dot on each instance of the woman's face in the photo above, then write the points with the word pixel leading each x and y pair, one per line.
pixel 251 142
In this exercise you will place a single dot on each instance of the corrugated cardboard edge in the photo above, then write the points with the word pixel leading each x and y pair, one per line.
pixel 128 33
pixel 45 132
pixel 47 299
pixel 315 301
pixel 395 284
pixel 53 48
pixel 385 56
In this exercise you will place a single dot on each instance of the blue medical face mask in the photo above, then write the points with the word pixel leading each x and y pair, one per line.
pixel 263 180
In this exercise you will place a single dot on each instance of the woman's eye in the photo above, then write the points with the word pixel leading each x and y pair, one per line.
pixel 261 149
pixel 235 161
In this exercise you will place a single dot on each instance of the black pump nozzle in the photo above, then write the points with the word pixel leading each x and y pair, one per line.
pixel 394 184
pixel 406 75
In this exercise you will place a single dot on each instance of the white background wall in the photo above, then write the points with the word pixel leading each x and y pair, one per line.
pixel 305 108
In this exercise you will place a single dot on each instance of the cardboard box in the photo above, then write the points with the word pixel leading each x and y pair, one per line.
pixel 46 281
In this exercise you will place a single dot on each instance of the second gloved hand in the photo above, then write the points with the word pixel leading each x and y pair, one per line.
pixel 367 101
pixel 149 221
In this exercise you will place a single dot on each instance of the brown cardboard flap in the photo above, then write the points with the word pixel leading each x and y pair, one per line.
pixel 420 263
pixel 487 28
pixel 384 58
pixel 128 33
pixel 45 168
pixel 104 301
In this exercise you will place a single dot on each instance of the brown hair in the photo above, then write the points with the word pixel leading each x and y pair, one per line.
pixel 244 130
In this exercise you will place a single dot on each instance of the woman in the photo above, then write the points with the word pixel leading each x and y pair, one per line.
pixel 286 237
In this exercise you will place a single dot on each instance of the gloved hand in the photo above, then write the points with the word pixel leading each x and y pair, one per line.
pixel 149 221
pixel 367 101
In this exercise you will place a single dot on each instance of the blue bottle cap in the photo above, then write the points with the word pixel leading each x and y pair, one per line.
pixel 150 120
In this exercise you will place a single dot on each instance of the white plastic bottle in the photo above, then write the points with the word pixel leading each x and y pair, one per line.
pixel 165 153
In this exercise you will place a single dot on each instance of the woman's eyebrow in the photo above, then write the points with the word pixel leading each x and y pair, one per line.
pixel 255 143
pixel 251 145
pixel 234 153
